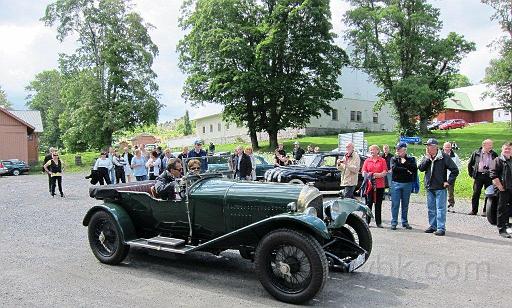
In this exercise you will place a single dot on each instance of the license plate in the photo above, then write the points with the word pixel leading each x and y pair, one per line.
pixel 356 263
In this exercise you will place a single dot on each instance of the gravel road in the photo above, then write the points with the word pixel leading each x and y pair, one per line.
pixel 45 261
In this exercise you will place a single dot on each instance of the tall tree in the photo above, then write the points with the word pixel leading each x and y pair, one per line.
pixel 397 43
pixel 116 50
pixel 187 129
pixel 272 64
pixel 498 74
pixel 459 81
pixel 4 102
pixel 45 96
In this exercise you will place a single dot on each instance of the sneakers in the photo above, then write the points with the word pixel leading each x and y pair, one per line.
pixel 430 230
pixel 408 227
pixel 61 195
pixel 439 233
pixel 450 208
pixel 504 233
pixel 393 228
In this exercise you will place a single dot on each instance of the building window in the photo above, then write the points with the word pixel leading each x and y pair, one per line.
pixel 218 127
pixel 355 116
pixel 334 114
pixel 211 128
pixel 375 117
pixel 227 126
pixel 204 129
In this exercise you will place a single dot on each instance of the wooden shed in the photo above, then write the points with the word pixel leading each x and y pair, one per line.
pixel 17 138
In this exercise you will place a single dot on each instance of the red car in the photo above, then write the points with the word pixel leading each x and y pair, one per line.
pixel 451 124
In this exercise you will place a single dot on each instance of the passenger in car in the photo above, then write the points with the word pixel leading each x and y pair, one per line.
pixel 166 182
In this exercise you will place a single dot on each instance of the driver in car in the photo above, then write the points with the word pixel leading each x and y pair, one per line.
pixel 166 182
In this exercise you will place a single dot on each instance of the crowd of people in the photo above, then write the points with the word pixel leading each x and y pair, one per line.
pixel 397 173
pixel 441 166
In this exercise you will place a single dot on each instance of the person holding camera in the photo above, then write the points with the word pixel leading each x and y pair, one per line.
pixel 478 169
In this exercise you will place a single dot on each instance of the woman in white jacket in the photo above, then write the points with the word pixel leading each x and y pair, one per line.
pixel 153 165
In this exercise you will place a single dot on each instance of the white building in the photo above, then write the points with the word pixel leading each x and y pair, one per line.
pixel 351 113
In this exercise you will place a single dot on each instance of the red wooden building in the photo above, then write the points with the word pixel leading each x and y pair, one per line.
pixel 19 134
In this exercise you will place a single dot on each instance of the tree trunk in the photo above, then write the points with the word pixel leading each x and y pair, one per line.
pixel 423 126
pixel 254 140
pixel 272 138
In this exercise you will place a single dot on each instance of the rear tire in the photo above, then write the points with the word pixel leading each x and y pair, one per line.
pixel 291 265
pixel 16 172
pixel 296 181
pixel 105 239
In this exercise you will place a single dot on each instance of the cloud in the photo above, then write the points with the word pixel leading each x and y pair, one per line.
pixel 28 47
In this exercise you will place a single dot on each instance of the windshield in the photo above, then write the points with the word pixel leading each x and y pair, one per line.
pixel 308 160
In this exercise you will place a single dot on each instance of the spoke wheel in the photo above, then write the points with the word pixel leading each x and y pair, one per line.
pixel 291 265
pixel 105 239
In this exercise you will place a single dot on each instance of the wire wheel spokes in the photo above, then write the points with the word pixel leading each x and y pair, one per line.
pixel 105 238
pixel 290 269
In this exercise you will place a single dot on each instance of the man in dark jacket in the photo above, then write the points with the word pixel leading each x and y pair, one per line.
pixel 297 151
pixel 166 182
pixel 501 174
pixel 243 165
pixel 478 169
pixel 200 154
pixel 403 171
pixel 435 164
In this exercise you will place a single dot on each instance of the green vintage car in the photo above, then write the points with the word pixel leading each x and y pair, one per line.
pixel 292 236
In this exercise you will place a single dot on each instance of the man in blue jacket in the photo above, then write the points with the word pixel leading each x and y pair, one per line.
pixel 199 153
pixel 435 164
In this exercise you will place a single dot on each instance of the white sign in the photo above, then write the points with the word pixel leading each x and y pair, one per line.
pixel 356 138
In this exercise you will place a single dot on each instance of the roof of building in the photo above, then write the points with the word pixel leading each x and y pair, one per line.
pixel 471 98
pixel 30 128
pixel 33 117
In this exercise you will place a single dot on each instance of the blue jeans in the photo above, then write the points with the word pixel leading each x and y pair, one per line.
pixel 400 193
pixel 141 177
pixel 112 174
pixel 390 182
pixel 436 203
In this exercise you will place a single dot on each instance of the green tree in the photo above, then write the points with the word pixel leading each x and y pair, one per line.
pixel 498 74
pixel 187 126
pixel 45 96
pixel 459 81
pixel 114 56
pixel 397 43
pixel 272 64
pixel 4 102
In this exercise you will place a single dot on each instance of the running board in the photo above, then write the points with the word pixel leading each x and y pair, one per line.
pixel 165 244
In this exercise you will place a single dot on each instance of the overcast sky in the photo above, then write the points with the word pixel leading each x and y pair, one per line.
pixel 27 47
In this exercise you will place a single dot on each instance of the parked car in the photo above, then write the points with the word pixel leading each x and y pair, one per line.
pixel 15 166
pixel 220 163
pixel 435 125
pixel 452 124
pixel 3 170
pixel 319 169
pixel 291 235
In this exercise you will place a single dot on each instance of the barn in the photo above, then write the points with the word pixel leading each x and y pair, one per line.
pixel 472 105
pixel 19 134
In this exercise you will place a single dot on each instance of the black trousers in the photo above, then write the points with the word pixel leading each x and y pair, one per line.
pixel 120 176
pixel 53 181
pixel 481 181
pixel 504 208
pixel 49 183
pixel 379 194
pixel 103 176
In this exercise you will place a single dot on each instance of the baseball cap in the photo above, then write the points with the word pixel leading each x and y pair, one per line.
pixel 198 141
pixel 432 141
pixel 296 143
pixel 401 145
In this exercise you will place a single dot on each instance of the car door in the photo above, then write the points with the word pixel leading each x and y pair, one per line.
pixel 261 167
pixel 330 176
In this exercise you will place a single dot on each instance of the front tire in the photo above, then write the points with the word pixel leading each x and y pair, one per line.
pixel 105 239
pixel 492 210
pixel 291 265
pixel 16 172
pixel 356 230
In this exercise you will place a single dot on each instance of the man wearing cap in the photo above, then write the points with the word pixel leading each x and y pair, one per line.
pixel 479 170
pixel 297 151
pixel 436 164
pixel 199 153
pixel 403 173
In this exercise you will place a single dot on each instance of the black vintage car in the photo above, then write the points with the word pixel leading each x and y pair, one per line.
pixel 319 169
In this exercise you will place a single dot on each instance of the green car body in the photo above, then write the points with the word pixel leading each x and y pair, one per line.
pixel 217 214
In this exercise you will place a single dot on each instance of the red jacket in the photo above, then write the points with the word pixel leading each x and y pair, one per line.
pixel 376 166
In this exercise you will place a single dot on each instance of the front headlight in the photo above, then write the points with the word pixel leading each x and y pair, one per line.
pixel 292 207
pixel 311 211
pixel 335 210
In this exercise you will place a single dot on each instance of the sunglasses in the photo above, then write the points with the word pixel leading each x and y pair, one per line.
pixel 55 155
pixel 195 168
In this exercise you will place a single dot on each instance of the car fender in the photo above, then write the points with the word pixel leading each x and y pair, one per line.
pixel 347 207
pixel 120 216
pixel 251 234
